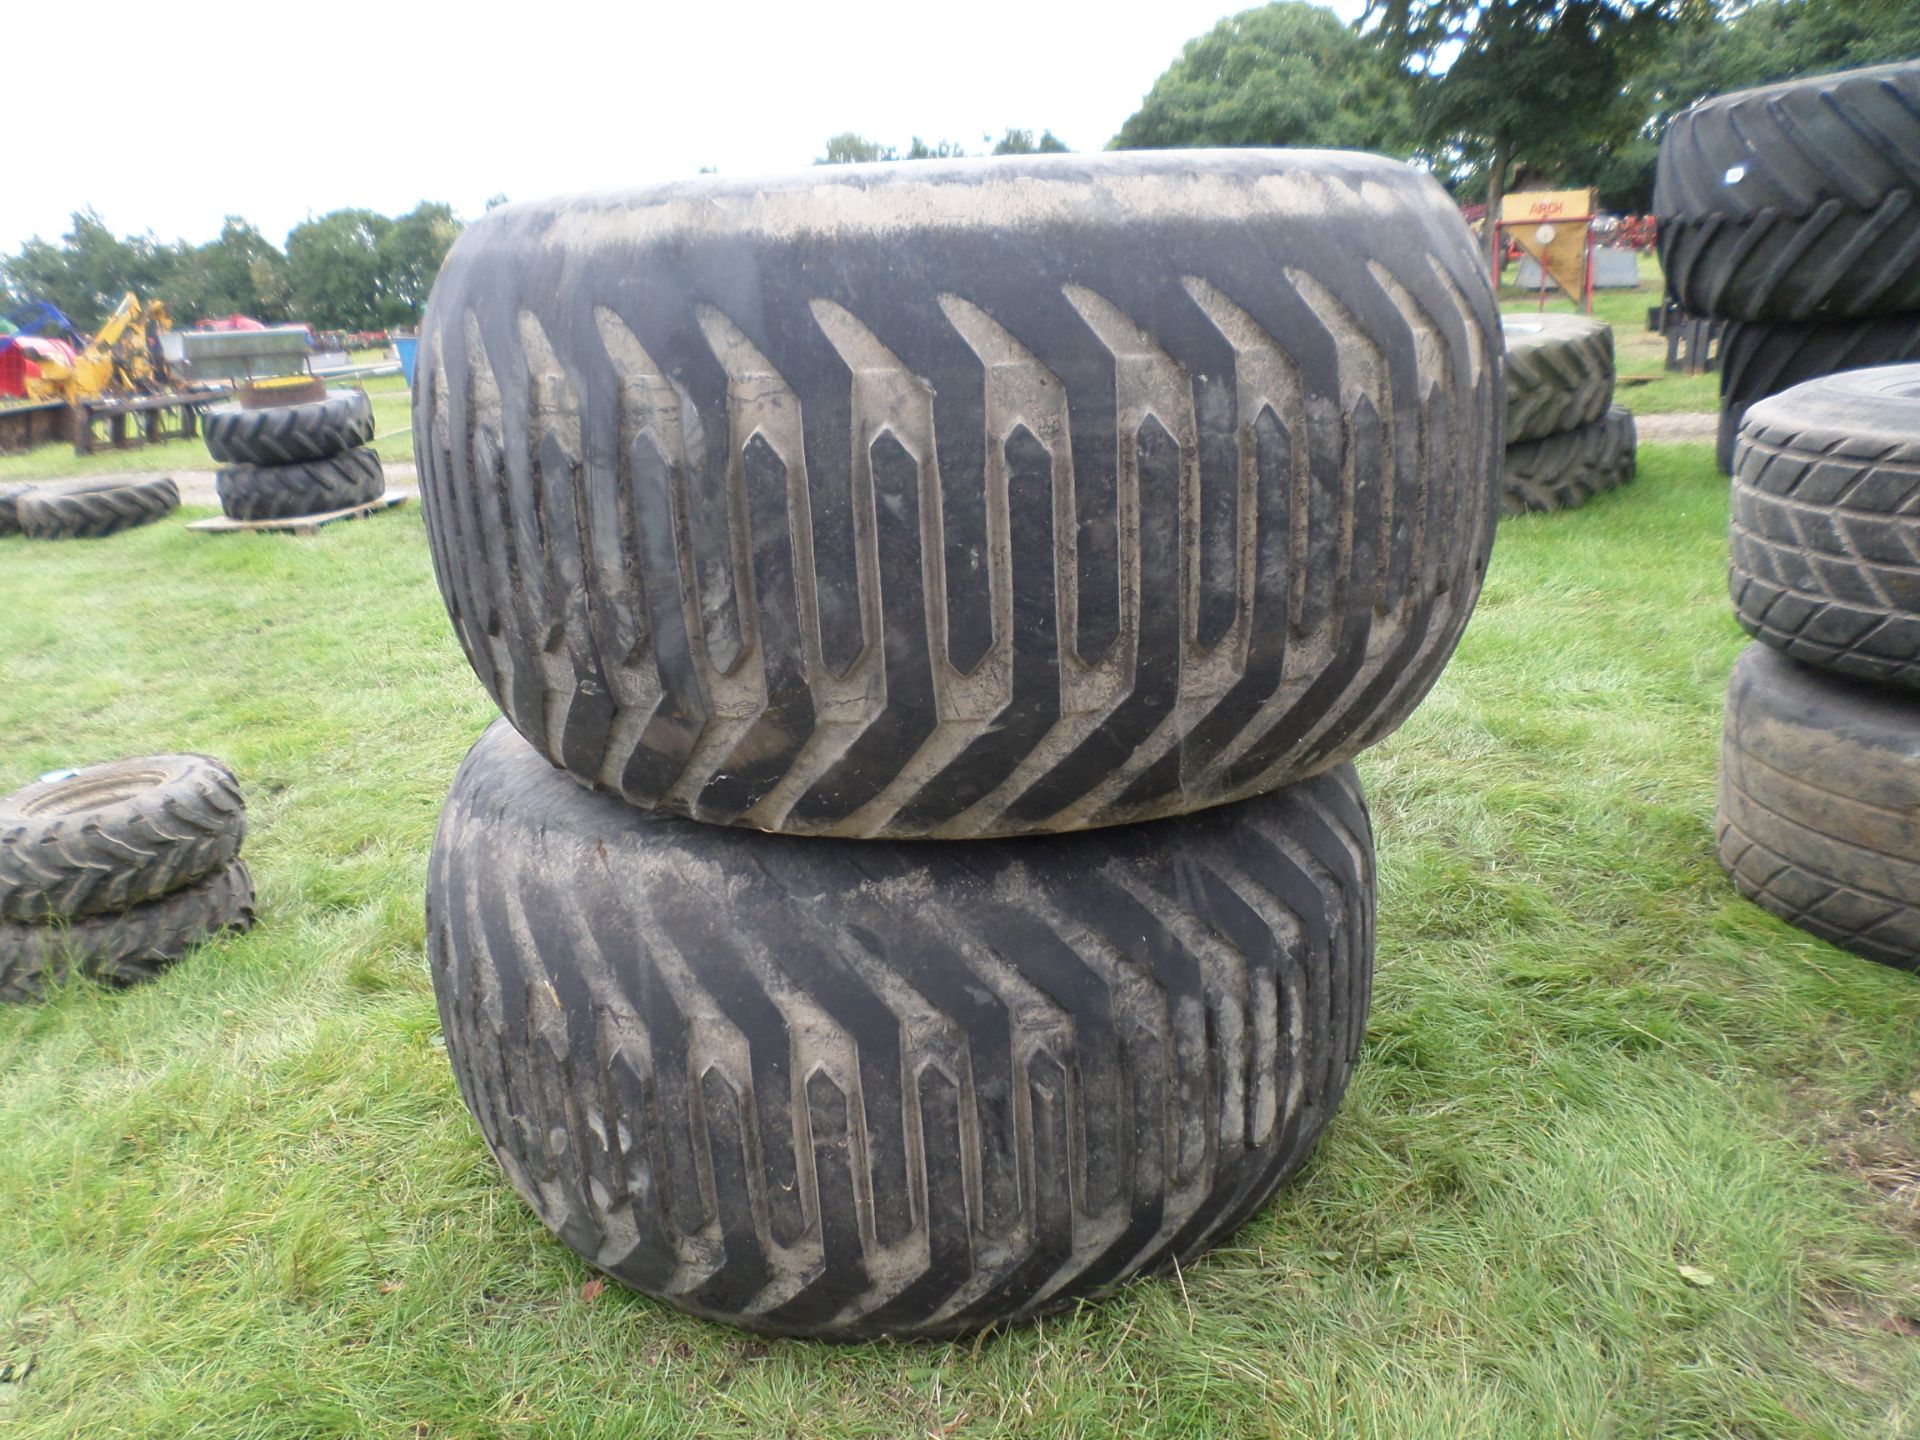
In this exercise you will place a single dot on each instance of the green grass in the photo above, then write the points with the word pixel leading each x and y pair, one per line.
pixel 247 1201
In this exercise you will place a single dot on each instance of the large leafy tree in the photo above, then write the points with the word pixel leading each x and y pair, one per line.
pixel 91 268
pixel 1501 83
pixel 336 273
pixel 410 256
pixel 1284 74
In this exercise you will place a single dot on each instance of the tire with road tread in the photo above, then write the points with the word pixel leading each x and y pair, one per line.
pixel 126 946
pixel 1559 374
pixel 115 835
pixel 1825 542
pixel 1758 360
pixel 1564 471
pixel 964 499
pixel 96 509
pixel 849 1089
pixel 305 487
pixel 1796 201
pixel 288 434
pixel 1819 815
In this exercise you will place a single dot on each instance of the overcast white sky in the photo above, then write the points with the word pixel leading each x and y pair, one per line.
pixel 406 102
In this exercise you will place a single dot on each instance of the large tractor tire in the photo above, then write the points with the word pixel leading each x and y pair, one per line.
pixel 1559 374
pixel 1797 201
pixel 305 487
pixel 96 509
pixel 1758 360
pixel 1826 523
pixel 288 434
pixel 961 500
pixel 1820 804
pixel 116 835
pixel 10 508
pixel 1565 471
pixel 127 946
pixel 857 1089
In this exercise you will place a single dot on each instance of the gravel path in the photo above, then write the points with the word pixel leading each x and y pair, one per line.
pixel 196 486
pixel 1683 426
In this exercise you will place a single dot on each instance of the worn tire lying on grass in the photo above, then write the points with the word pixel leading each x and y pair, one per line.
pixel 1565 471
pixel 1758 360
pixel 287 434
pixel 1796 201
pixel 1826 523
pixel 964 499
pixel 10 508
pixel 127 946
pixel 116 835
pixel 852 1089
pixel 1559 374
pixel 307 487
pixel 96 509
pixel 1819 816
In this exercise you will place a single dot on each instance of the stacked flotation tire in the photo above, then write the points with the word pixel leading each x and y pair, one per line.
pixel 1793 211
pixel 1566 439
pixel 856 582
pixel 282 461
pixel 1820 772
pixel 117 870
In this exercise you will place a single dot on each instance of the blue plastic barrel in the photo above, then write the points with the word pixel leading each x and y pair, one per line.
pixel 404 346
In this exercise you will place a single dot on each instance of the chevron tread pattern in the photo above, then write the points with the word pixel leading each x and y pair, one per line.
pixel 977 547
pixel 128 946
pixel 90 512
pixel 305 487
pixel 289 434
pixel 1001 1078
pixel 1800 833
pixel 1834 264
pixel 1560 374
pixel 112 836
pixel 1758 360
pixel 1564 471
pixel 10 508
pixel 1825 541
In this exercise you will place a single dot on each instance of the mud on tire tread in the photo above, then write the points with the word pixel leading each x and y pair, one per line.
pixel 116 835
pixel 1564 471
pixel 1819 790
pixel 771 526
pixel 288 434
pixel 128 946
pixel 307 487
pixel 91 511
pixel 1758 360
pixel 1000 1077
pixel 1560 374
pixel 1825 552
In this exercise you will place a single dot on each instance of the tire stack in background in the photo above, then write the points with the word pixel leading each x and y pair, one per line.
pixel 1793 211
pixel 117 870
pixel 1566 439
pixel 310 457
pixel 1028 545
pixel 1819 811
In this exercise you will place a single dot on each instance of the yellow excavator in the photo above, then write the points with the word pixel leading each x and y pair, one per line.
pixel 123 358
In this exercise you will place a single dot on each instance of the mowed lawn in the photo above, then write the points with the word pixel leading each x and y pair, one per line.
pixel 1624 1157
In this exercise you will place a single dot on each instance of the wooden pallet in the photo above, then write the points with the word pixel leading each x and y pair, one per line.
pixel 300 524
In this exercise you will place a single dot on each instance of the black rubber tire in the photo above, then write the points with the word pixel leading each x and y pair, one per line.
pixel 128 946
pixel 1758 360
pixel 1819 817
pixel 287 434
pixel 1564 471
pixel 96 509
pixel 1796 201
pixel 849 1089
pixel 10 508
pixel 596 503
pixel 1826 523
pixel 116 835
pixel 307 487
pixel 1559 374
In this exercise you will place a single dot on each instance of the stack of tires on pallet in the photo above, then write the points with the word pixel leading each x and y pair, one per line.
pixel 1566 439
pixel 282 461
pixel 117 870
pixel 86 511
pixel 1820 763
pixel 1793 211
pixel 948 522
